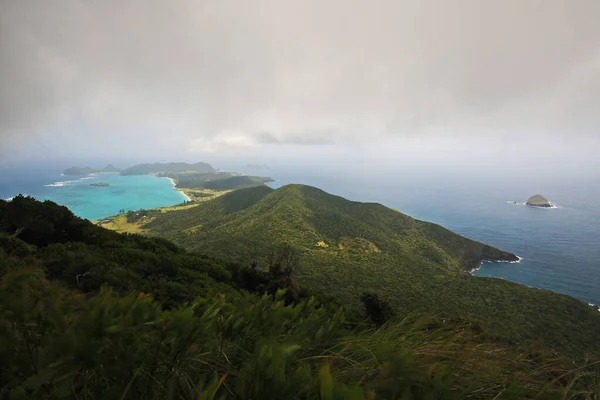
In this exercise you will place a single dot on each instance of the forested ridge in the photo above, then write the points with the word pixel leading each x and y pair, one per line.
pixel 89 313
pixel 349 248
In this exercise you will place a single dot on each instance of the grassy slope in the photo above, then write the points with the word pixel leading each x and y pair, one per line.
pixel 63 336
pixel 349 248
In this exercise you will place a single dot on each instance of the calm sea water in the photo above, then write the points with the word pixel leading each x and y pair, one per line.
pixel 125 192
pixel 560 247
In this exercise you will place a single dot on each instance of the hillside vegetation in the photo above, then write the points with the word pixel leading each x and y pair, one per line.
pixel 86 313
pixel 218 181
pixel 349 248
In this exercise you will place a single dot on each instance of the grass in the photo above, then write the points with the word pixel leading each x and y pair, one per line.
pixel 177 207
pixel 203 194
pixel 118 223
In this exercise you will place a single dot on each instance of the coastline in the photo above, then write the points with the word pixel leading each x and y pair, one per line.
pixel 180 190
pixel 471 271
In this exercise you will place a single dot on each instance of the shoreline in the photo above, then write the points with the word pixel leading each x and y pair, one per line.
pixel 471 271
pixel 184 194
pixel 552 206
pixel 179 190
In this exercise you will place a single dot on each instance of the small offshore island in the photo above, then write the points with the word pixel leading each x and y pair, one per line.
pixel 539 201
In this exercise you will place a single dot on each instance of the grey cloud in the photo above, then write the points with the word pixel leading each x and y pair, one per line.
pixel 217 74
pixel 300 138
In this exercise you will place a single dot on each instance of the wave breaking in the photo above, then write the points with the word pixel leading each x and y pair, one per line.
pixel 473 270
pixel 69 182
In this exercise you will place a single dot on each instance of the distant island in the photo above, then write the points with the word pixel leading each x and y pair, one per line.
pixel 99 184
pixel 154 168
pixel 539 201
pixel 88 170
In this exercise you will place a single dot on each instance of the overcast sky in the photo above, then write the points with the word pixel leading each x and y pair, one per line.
pixel 191 79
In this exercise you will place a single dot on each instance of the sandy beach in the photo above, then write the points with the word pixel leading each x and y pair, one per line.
pixel 179 190
pixel 185 194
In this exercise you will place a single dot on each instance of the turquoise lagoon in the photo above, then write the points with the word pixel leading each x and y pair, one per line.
pixel 131 192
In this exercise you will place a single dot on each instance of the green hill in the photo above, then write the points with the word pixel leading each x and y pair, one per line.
pixel 86 313
pixel 214 181
pixel 349 248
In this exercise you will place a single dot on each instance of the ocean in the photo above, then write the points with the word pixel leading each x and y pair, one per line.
pixel 93 202
pixel 559 247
